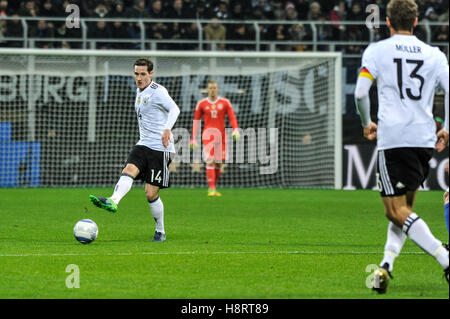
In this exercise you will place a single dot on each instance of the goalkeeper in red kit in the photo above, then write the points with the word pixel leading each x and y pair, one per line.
pixel 213 109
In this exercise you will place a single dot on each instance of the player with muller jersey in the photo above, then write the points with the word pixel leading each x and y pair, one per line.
pixel 213 109
pixel 407 72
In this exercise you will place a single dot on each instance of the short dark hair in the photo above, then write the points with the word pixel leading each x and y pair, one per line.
pixel 144 62
pixel 402 14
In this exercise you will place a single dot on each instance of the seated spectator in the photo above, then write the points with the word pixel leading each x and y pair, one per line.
pixel 222 11
pixel 47 9
pixel 29 9
pixel 61 34
pixel 286 33
pixel 441 34
pixel 138 10
pixel 87 7
pixel 338 14
pixel 209 5
pixel 5 11
pixel 177 29
pixel 291 12
pixel 43 31
pixel 2 37
pixel 236 12
pixel 191 33
pixel 431 15
pixel 266 31
pixel 120 31
pixel 355 14
pixel 14 29
pixel 177 11
pixel 354 36
pixel 189 5
pixel 156 10
pixel 315 11
pixel 323 33
pixel 118 10
pixel 298 33
pixel 100 31
pixel 357 31
pixel 444 16
pixel 239 32
pixel 265 6
pixel 157 30
pixel 302 8
pixel 215 32
pixel 100 11
pixel 282 34
pixel 278 10
pixel 201 12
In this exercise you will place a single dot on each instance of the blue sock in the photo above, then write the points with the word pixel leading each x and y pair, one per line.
pixel 446 215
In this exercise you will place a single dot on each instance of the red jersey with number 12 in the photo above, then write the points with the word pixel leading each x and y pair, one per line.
pixel 213 113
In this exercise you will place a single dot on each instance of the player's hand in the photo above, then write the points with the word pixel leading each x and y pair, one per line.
pixel 167 134
pixel 442 142
pixel 236 134
pixel 370 131
pixel 193 144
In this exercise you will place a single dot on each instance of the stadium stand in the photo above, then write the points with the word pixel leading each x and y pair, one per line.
pixel 294 25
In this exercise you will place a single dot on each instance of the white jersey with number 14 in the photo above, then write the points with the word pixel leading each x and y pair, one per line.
pixel 407 72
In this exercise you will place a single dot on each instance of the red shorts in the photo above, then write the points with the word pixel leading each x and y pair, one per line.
pixel 214 151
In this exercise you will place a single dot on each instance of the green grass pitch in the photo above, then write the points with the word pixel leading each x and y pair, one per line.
pixel 250 243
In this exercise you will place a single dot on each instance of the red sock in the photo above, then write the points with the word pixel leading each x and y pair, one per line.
pixel 218 172
pixel 211 176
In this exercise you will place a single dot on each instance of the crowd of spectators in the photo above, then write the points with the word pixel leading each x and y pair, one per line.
pixel 50 33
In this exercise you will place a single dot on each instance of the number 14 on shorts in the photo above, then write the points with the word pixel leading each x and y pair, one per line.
pixel 157 177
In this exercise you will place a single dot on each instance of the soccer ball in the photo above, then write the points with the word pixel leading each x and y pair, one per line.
pixel 85 231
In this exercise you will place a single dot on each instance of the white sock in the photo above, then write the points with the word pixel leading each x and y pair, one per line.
pixel 157 209
pixel 123 186
pixel 394 244
pixel 418 231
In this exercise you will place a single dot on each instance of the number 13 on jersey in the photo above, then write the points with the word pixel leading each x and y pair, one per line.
pixel 413 75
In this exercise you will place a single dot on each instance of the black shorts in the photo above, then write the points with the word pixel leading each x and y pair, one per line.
pixel 153 165
pixel 400 170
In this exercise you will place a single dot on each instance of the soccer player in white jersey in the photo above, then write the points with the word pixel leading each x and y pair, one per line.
pixel 150 158
pixel 406 72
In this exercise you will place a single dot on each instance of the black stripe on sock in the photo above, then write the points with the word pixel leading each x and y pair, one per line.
pixel 152 201
pixel 124 174
pixel 409 221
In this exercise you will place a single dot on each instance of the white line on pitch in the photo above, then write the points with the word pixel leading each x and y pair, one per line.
pixel 211 253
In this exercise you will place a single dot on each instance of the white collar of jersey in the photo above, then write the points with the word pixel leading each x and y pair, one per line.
pixel 139 90
pixel 215 101
pixel 403 35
